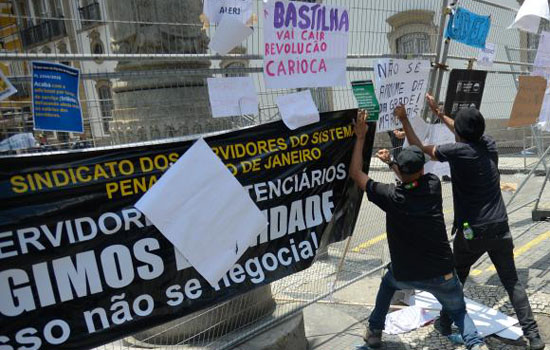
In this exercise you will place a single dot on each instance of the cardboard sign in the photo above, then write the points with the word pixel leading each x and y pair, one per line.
pixel 465 90
pixel 468 28
pixel 528 102
pixel 55 102
pixel 306 45
pixel 400 82
pixel 366 98
pixel 240 10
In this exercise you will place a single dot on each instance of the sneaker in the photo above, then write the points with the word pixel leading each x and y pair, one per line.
pixel 479 347
pixel 443 326
pixel 536 343
pixel 373 338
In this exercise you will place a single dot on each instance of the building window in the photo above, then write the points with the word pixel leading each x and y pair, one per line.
pixel 105 105
pixel 96 45
pixel 413 43
pixel 412 32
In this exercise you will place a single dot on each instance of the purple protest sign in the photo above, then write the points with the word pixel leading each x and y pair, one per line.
pixel 306 44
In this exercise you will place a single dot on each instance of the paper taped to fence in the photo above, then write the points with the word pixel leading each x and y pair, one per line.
pixel 95 254
pixel 229 34
pixel 306 44
pixel 192 213
pixel 297 109
pixel 486 55
pixel 232 96
pixel 468 28
pixel 541 67
pixel 528 102
pixel 400 82
pixel 529 15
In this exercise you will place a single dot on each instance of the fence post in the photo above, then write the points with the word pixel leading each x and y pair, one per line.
pixel 438 57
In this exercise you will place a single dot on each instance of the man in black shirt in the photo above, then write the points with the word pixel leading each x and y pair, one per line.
pixel 420 252
pixel 478 207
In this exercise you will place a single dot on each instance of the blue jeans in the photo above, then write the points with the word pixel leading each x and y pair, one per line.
pixel 447 292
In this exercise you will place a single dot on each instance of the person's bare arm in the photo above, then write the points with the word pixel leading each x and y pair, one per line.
pixel 401 114
pixel 356 167
pixel 448 121
pixel 384 156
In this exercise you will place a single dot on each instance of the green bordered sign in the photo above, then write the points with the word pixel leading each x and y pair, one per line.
pixel 366 98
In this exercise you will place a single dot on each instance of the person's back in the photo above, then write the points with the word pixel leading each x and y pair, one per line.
pixel 476 182
pixel 415 226
pixel 479 208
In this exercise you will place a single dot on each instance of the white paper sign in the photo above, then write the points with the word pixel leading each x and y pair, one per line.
pixel 541 67
pixel 201 208
pixel 400 82
pixel 233 96
pixel 18 141
pixel 487 55
pixel 306 44
pixel 439 134
pixel 529 15
pixel 486 319
pixel 229 33
pixel 298 109
pixel 6 88
pixel 240 10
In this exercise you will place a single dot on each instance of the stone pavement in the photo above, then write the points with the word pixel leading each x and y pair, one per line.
pixel 345 316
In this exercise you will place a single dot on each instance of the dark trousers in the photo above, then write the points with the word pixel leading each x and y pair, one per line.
pixel 501 252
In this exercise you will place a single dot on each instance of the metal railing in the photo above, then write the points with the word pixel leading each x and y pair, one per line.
pixel 90 14
pixel 43 32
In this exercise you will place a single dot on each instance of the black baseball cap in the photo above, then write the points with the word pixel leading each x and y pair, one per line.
pixel 410 160
pixel 470 124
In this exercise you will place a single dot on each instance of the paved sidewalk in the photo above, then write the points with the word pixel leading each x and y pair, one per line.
pixel 532 254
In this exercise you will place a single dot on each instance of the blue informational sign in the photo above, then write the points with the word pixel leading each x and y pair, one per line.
pixel 55 103
pixel 468 28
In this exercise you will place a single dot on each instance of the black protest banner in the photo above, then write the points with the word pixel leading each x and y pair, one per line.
pixel 465 90
pixel 80 266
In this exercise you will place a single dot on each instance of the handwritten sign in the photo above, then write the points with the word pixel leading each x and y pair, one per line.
pixel 55 102
pixel 306 44
pixel 468 28
pixel 400 82
pixel 240 10
pixel 528 102
pixel 486 55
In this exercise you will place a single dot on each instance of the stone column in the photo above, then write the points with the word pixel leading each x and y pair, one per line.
pixel 168 105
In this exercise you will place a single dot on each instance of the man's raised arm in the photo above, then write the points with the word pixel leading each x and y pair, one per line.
pixel 401 114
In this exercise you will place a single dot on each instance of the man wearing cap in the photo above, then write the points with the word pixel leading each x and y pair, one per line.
pixel 478 206
pixel 421 256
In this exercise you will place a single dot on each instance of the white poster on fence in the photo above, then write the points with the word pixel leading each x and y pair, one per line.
pixel 306 44
pixel 232 96
pixel 439 134
pixel 541 67
pixel 400 82
pixel 6 88
pixel 238 9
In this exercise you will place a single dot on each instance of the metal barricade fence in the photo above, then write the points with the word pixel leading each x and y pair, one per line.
pixel 144 67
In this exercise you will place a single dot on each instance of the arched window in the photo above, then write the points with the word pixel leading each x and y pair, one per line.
pixel 413 43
